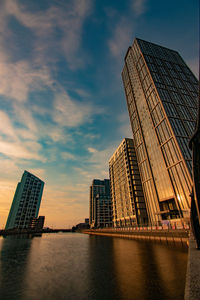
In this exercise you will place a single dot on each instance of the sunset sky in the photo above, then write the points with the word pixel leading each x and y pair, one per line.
pixel 62 106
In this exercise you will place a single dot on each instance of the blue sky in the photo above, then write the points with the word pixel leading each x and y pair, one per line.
pixel 62 106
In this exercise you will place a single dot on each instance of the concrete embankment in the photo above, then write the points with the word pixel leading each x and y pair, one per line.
pixel 192 287
pixel 179 237
pixel 164 236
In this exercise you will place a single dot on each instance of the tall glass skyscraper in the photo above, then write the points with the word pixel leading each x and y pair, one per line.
pixel 129 207
pixel 162 97
pixel 26 202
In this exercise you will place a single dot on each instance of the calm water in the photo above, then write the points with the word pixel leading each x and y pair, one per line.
pixel 75 266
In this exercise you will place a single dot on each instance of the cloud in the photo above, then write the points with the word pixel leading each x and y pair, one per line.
pixel 139 7
pixel 82 93
pixel 37 172
pixel 67 156
pixel 27 150
pixel 124 29
pixel 92 150
pixel 125 126
pixel 23 115
pixel 18 78
pixel 64 17
pixel 70 113
pixel 8 168
pixel 122 36
pixel 6 126
pixel 18 142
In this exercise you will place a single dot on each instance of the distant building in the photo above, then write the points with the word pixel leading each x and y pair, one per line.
pixel 98 187
pixel 37 223
pixel 103 211
pixel 129 207
pixel 26 202
pixel 87 221
pixel 81 226
pixel 162 99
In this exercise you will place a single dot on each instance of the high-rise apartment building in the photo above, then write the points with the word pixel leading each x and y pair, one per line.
pixel 26 202
pixel 128 202
pixel 98 188
pixel 162 97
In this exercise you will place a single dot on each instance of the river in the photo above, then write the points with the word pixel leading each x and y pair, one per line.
pixel 75 266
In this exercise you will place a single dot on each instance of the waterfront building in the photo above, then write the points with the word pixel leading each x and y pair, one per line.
pixel 103 211
pixel 26 202
pixel 37 223
pixel 98 187
pixel 128 202
pixel 162 97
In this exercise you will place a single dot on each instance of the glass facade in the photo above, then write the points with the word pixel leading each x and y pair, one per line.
pixel 103 211
pixel 162 95
pixel 26 202
pixel 126 189
pixel 98 188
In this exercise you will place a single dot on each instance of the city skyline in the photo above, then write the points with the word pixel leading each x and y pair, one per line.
pixel 63 108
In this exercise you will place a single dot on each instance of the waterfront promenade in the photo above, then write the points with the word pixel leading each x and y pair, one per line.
pixel 164 233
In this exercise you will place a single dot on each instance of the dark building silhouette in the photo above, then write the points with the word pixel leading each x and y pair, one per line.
pixel 97 189
pixel 37 223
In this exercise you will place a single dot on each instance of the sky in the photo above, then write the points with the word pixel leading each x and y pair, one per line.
pixel 62 105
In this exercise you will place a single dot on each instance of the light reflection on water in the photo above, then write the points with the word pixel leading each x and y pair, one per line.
pixel 80 267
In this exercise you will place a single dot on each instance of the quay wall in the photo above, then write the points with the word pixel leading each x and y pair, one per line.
pixel 176 236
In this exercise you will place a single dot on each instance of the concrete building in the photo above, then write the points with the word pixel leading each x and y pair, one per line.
pixel 26 202
pixel 162 96
pixel 129 207
pixel 98 187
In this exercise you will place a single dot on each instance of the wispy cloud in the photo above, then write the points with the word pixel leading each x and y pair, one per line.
pixel 124 28
pixel 6 126
pixel 13 144
pixel 122 36
pixel 138 6
pixel 67 156
pixel 67 17
pixel 124 126
pixel 38 172
pixel 17 79
pixel 20 150
pixel 92 150
pixel 71 113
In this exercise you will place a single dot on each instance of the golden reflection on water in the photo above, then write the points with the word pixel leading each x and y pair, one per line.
pixel 149 271
pixel 81 267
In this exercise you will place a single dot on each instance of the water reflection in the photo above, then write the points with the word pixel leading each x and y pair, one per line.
pixel 102 278
pixel 149 271
pixel 81 267
pixel 14 260
pixel 58 268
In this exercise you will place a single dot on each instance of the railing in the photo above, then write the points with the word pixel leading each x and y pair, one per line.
pixel 164 227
